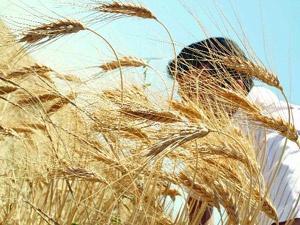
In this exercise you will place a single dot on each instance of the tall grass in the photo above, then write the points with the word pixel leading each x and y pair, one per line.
pixel 123 158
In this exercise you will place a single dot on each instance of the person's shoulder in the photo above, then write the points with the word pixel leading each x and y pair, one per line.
pixel 263 97
pixel 271 105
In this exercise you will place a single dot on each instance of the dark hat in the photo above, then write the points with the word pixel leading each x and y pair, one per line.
pixel 206 52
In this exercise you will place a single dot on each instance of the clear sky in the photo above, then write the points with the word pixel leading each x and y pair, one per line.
pixel 270 27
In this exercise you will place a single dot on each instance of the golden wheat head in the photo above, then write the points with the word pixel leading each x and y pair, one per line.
pixel 126 61
pixel 251 69
pixel 51 31
pixel 126 9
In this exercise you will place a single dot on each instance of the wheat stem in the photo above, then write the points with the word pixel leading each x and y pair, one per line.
pixel 175 61
pixel 117 58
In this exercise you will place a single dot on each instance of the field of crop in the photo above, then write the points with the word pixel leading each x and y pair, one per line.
pixel 128 153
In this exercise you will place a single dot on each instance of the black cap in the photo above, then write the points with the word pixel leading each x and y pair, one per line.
pixel 206 52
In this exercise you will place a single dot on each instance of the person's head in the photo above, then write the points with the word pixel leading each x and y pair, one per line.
pixel 202 60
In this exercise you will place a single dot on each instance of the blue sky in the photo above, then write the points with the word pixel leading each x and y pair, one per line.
pixel 270 27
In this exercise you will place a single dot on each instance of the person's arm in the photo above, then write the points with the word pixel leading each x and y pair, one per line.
pixel 285 187
pixel 295 222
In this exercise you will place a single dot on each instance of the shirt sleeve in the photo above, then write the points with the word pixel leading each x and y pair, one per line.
pixel 280 160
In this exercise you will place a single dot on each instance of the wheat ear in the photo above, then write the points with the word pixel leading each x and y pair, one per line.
pixel 6 89
pixel 251 69
pixel 25 71
pixel 40 98
pixel 117 58
pixel 224 150
pixel 126 61
pixel 228 202
pixel 200 190
pixel 177 139
pixel 136 11
pixel 70 78
pixel 163 117
pixel 125 9
pixel 79 173
pixel 267 206
pixel 58 105
pixel 128 130
pixel 187 110
pixel 277 124
pixel 51 31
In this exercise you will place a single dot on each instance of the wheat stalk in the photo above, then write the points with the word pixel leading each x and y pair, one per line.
pixel 162 117
pixel 267 205
pixel 254 113
pixel 232 176
pixel 251 69
pixel 128 130
pixel 225 169
pixel 132 97
pixel 6 131
pixel 199 190
pixel 225 150
pixel 30 128
pixel 40 98
pixel 51 31
pixel 277 124
pixel 126 61
pixel 238 100
pixel 6 89
pixel 177 139
pixel 58 105
pixel 228 202
pixel 186 109
pixel 125 9
pixel 137 108
pixel 70 78
pixel 136 11
pixel 44 215
pixel 79 173
pixel 112 162
pixel 25 71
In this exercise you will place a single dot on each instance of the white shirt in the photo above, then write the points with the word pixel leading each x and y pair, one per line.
pixel 285 188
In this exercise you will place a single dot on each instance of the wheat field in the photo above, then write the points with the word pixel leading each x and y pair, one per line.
pixel 126 154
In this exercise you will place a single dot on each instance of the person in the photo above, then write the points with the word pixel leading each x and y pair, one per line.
pixel 192 68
